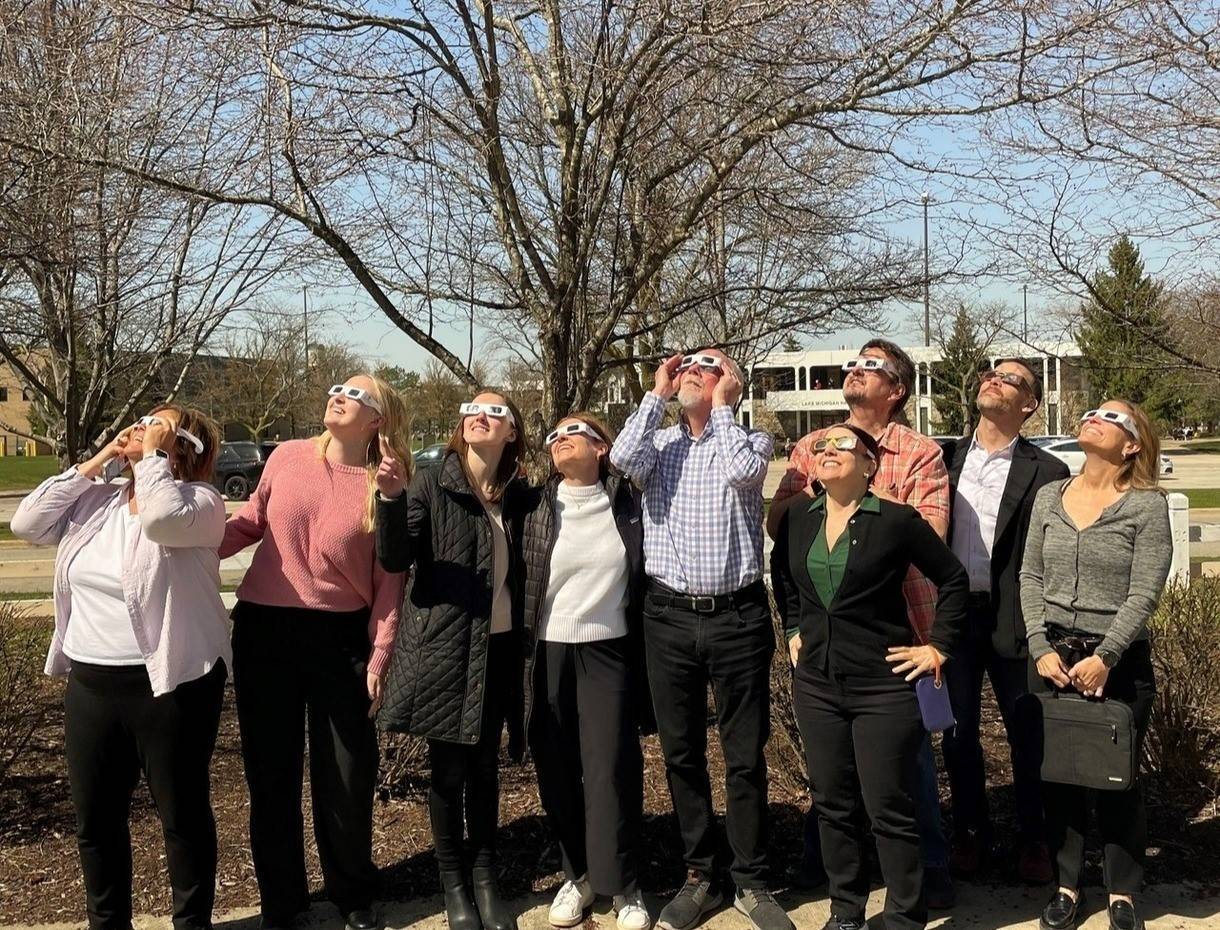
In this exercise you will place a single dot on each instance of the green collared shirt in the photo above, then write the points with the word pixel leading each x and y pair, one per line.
pixel 825 565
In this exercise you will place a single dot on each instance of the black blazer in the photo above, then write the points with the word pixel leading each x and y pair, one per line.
pixel 850 636
pixel 1031 468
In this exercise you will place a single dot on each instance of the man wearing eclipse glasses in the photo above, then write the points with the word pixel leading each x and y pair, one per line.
pixel 910 470
pixel 707 620
pixel 994 476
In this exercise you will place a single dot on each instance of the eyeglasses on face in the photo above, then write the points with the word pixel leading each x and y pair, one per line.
pixel 499 411
pixel 1007 377
pixel 359 395
pixel 1117 417
pixel 867 363
pixel 845 443
pixel 705 362
pixel 572 429
pixel 181 433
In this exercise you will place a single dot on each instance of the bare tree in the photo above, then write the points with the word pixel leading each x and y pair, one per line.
pixel 590 181
pixel 109 285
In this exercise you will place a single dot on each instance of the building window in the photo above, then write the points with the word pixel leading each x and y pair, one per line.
pixel 3 395
pixel 802 374
pixel 745 418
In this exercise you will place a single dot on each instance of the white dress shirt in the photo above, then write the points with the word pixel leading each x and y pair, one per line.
pixel 976 506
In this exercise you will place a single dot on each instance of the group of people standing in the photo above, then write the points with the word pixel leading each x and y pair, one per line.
pixel 462 601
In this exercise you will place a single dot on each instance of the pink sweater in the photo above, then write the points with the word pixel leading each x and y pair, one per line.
pixel 315 553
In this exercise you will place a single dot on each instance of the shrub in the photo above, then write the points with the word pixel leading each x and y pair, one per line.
pixel 1183 742
pixel 23 704
pixel 403 764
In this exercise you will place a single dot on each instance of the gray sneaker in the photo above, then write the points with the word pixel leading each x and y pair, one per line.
pixel 695 901
pixel 763 911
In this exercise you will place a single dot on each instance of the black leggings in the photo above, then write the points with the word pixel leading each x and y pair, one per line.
pixel 114 729
pixel 465 778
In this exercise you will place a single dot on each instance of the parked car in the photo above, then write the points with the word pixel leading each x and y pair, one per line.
pixel 239 465
pixel 1066 449
pixel 430 455
pixel 1166 465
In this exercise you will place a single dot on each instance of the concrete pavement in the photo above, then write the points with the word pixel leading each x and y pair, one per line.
pixel 1165 907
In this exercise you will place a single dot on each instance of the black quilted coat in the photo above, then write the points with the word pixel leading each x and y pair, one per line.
pixel 434 686
pixel 537 544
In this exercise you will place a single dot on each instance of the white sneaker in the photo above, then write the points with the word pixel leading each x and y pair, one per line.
pixel 632 914
pixel 568 908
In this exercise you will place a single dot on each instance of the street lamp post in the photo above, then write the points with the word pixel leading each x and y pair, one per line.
pixel 1025 312
pixel 305 314
pixel 927 302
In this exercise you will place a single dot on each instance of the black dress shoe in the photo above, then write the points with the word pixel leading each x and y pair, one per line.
pixel 1123 916
pixel 1061 912
pixel 366 918
pixel 843 923
pixel 459 908
pixel 492 910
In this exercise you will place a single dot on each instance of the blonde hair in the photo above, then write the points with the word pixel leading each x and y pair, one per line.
pixel 395 429
pixel 1141 471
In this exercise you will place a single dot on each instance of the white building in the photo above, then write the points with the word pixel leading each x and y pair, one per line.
pixel 804 389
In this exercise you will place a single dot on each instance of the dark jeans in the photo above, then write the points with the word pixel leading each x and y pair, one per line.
pixel 1121 817
pixel 466 779
pixel 586 749
pixel 731 650
pixel 975 658
pixel 113 729
pixel 862 737
pixel 290 666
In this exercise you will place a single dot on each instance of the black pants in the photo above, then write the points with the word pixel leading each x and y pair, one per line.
pixel 466 779
pixel 1121 817
pixel 113 729
pixel 295 669
pixel 586 748
pixel 975 658
pixel 862 737
pixel 730 649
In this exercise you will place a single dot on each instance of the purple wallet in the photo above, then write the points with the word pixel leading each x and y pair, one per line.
pixel 934 704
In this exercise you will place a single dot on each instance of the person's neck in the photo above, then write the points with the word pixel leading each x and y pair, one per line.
pixel 482 465
pixel 1099 474
pixel 581 475
pixel 696 419
pixel 344 449
pixel 872 420
pixel 840 497
pixel 994 435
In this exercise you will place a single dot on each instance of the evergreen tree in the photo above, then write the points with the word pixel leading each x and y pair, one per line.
pixel 955 376
pixel 791 344
pixel 1121 327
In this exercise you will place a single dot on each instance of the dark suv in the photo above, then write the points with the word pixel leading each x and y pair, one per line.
pixel 239 466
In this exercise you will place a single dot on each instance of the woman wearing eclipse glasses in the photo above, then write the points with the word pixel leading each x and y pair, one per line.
pixel 140 632
pixel 313 631
pixel 456 677
pixel 838 568
pixel 586 689
pixel 1095 564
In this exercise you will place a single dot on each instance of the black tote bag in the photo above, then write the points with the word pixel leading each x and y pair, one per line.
pixel 1090 743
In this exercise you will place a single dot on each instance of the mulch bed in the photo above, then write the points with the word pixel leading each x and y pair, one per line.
pixel 40 878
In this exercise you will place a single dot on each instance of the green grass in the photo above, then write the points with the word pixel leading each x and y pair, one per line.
pixel 1205 445
pixel 1200 497
pixel 5 532
pixel 20 473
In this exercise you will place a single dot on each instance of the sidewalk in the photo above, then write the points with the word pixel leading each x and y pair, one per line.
pixel 1164 907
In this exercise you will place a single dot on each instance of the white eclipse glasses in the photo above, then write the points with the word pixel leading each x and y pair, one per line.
pixel 867 363
pixel 499 411
pixel 572 429
pixel 846 443
pixel 359 395
pixel 182 433
pixel 708 362
pixel 1117 417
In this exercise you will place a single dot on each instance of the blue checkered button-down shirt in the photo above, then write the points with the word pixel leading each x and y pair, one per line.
pixel 703 506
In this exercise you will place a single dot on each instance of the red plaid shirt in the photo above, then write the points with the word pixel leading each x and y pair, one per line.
pixel 912 470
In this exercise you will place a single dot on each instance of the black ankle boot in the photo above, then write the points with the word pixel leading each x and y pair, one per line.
pixel 492 910
pixel 459 908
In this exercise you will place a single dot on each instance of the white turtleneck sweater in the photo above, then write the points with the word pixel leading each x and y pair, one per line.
pixel 586 597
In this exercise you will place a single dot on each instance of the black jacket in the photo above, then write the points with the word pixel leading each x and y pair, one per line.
pixel 434 686
pixel 537 544
pixel 1031 468
pixel 868 614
